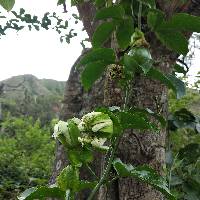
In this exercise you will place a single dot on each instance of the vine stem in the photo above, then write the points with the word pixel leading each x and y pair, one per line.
pixel 91 171
pixel 140 17
pixel 106 172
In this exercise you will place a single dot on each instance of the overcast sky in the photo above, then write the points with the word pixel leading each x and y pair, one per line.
pixel 38 53
pixel 41 53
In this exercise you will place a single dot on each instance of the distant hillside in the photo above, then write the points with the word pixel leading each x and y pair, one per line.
pixel 28 95
pixel 31 85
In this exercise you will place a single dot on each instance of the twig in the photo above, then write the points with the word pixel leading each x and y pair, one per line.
pixel 140 17
pixel 106 172
pixel 91 171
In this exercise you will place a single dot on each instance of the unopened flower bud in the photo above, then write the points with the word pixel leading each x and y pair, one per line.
pixel 60 128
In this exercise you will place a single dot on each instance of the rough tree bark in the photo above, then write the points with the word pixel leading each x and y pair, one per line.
pixel 135 148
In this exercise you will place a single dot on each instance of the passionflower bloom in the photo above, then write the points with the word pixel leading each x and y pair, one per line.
pixel 96 121
pixel 76 131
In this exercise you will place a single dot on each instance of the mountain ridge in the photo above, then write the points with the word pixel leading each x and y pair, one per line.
pixel 16 86
pixel 27 95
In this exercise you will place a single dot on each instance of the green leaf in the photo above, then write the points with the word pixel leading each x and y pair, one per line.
pixel 135 120
pixel 155 18
pixel 100 3
pixel 105 55
pixel 180 69
pixel 149 112
pixel 170 81
pixel 174 40
pixel 124 32
pixel 60 2
pixel 190 153
pixel 76 2
pixel 114 12
pixel 178 85
pixel 74 133
pixel 68 179
pixel 145 174
pixel 183 22
pixel 102 33
pixel 117 127
pixel 77 157
pixel 158 75
pixel 91 73
pixel 130 63
pixel 42 192
pixel 150 3
pixel 7 4
pixel 182 119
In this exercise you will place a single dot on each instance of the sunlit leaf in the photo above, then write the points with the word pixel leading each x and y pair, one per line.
pixel 7 4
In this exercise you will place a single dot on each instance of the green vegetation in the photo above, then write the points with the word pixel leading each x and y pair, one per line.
pixel 183 151
pixel 26 155
pixel 26 144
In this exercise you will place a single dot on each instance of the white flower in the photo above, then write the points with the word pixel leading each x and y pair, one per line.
pixel 99 142
pixel 77 121
pixel 82 126
pixel 84 140
pixel 95 142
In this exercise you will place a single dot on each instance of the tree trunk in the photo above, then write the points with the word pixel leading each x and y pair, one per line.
pixel 135 147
